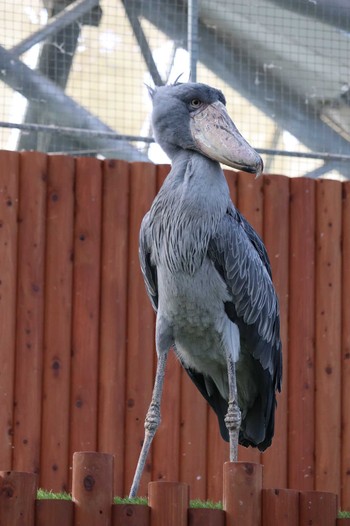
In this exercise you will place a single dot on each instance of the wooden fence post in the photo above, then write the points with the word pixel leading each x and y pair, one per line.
pixel 92 488
pixel 317 507
pixel 130 515
pixel 52 512
pixel 17 498
pixel 205 516
pixel 280 506
pixel 242 493
pixel 169 503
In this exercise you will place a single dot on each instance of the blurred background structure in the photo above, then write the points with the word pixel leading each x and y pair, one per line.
pixel 73 75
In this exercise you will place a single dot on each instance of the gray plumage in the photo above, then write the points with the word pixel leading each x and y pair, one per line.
pixel 206 270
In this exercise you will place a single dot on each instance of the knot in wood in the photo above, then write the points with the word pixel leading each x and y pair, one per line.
pixel 89 482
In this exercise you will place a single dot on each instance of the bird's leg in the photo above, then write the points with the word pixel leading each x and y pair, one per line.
pixel 233 416
pixel 152 422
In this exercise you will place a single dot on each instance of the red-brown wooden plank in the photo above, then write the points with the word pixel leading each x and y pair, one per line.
pixel 300 368
pixel 242 493
pixel 86 283
pixel 54 512
pixel 193 433
pixel 317 507
pixel 17 498
pixel 169 503
pixel 345 362
pixel 276 238
pixel 9 173
pixel 92 488
pixel 30 311
pixel 114 272
pixel 130 515
pixel 250 204
pixel 280 507
pixel 328 336
pixel 217 454
pixel 166 447
pixel 57 333
pixel 140 350
pixel 206 516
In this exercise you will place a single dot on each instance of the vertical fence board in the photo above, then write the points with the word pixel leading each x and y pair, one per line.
pixel 242 493
pixel 317 507
pixel 276 237
pixel 345 363
pixel 206 516
pixel 217 454
pixel 139 377
pixel 193 453
pixel 114 272
pixel 169 503
pixel 86 290
pixel 250 204
pixel 328 336
pixel 130 515
pixel 166 446
pixel 9 174
pixel 301 335
pixel 280 507
pixel 30 310
pixel 17 498
pixel 54 512
pixel 92 488
pixel 57 334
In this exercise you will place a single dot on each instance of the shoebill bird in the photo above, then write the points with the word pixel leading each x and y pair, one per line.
pixel 207 272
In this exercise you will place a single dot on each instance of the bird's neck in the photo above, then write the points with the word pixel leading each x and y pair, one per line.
pixel 188 209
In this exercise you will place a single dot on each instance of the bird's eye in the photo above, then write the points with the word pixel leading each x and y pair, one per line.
pixel 195 103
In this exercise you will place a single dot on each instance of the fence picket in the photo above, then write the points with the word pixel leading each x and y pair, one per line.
pixel 345 363
pixel 86 294
pixel 276 212
pixel 242 493
pixel 141 353
pixel 92 488
pixel 300 368
pixel 17 498
pixel 317 507
pixel 206 517
pixel 280 507
pixel 54 512
pixel 30 311
pixel 9 175
pixel 169 503
pixel 57 331
pixel 328 336
pixel 114 272
pixel 130 515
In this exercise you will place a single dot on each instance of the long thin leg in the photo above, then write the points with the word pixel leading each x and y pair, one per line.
pixel 152 421
pixel 233 416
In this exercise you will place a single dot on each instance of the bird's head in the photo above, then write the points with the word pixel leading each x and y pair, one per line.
pixel 193 116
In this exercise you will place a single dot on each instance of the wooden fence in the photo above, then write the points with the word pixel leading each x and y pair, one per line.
pixel 245 503
pixel 77 353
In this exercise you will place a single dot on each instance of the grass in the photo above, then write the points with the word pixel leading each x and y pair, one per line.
pixel 43 494
pixel 196 503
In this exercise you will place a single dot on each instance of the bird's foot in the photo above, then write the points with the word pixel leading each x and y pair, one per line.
pixel 152 419
pixel 233 424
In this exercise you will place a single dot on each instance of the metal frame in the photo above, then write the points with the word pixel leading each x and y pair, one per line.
pixel 185 28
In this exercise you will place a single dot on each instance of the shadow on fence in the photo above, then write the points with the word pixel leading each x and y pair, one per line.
pixel 245 503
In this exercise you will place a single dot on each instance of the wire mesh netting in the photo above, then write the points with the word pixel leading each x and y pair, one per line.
pixel 74 73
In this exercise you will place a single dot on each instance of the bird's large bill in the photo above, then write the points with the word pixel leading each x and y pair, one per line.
pixel 217 137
